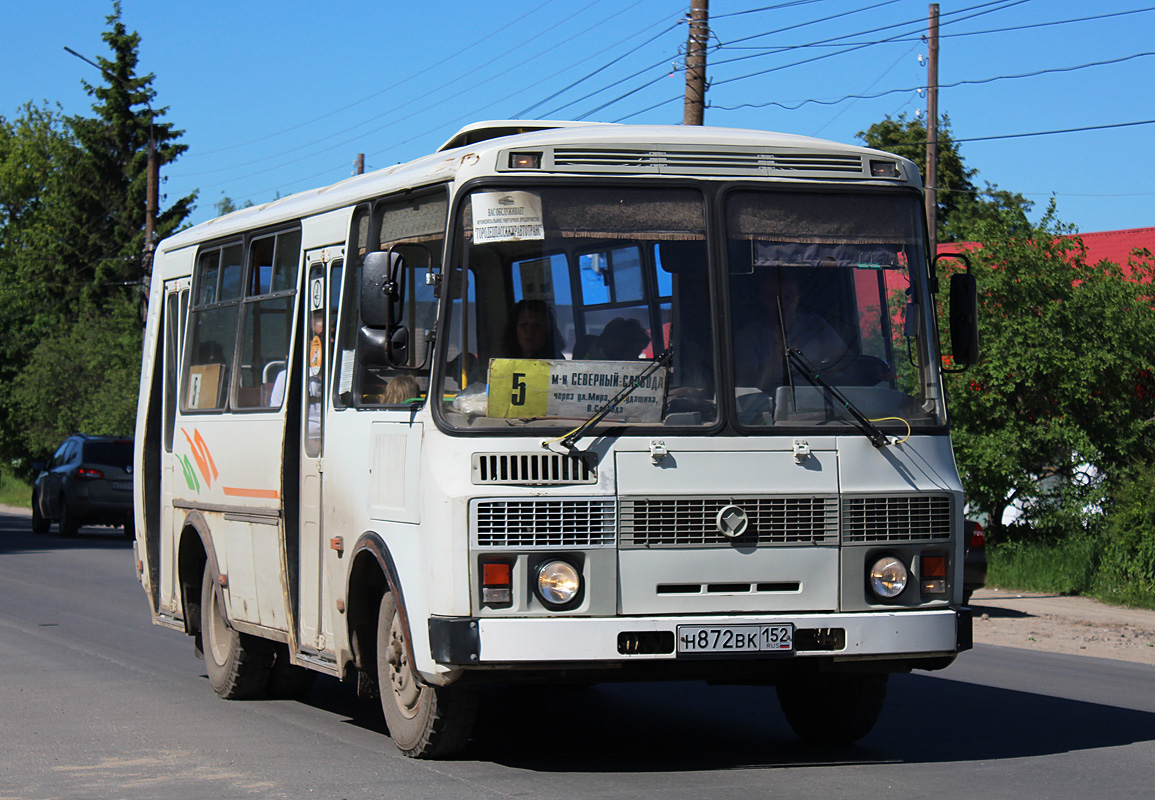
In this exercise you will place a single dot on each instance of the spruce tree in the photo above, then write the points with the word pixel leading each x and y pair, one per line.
pixel 112 193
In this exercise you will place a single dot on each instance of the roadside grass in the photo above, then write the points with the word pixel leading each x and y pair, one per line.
pixel 13 491
pixel 1075 565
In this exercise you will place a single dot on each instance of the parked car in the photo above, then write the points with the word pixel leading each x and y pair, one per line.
pixel 974 559
pixel 88 481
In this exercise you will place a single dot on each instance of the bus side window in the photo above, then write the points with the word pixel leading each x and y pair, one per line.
pixel 211 345
pixel 266 321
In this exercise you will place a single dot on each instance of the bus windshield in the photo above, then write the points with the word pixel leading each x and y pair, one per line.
pixel 820 296
pixel 564 299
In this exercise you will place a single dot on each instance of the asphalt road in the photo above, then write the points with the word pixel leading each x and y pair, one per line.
pixel 97 703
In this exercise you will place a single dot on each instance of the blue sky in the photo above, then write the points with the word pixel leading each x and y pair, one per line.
pixel 279 98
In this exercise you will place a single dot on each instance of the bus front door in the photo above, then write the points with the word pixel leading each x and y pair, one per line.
pixel 323 269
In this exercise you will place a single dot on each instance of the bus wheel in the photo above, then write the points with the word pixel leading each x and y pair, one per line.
pixel 287 681
pixel 238 664
pixel 832 708
pixel 425 721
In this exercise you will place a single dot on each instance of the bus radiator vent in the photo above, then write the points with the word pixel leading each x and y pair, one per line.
pixel 533 469
pixel 879 520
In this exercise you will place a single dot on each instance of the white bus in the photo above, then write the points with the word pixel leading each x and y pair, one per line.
pixel 560 402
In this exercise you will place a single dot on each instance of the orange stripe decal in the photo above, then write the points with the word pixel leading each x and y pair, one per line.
pixel 264 494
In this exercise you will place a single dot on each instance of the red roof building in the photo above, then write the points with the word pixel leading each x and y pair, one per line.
pixel 1114 246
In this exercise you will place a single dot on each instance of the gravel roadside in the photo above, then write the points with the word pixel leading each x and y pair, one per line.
pixel 1057 624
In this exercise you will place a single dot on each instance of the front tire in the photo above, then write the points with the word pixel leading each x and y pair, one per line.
pixel 237 664
pixel 39 523
pixel 832 708
pixel 425 721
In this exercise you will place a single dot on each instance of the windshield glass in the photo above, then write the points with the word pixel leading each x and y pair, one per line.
pixel 561 297
pixel 828 276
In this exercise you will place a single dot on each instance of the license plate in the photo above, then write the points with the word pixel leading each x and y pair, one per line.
pixel 723 639
pixel 122 486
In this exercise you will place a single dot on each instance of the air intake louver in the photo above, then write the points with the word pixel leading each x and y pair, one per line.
pixel 569 522
pixel 895 519
pixel 704 162
pixel 532 469
pixel 693 521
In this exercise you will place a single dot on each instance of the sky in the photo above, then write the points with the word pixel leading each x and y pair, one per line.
pixel 279 98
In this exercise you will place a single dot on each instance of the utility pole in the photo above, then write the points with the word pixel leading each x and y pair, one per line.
pixel 359 165
pixel 932 126
pixel 694 108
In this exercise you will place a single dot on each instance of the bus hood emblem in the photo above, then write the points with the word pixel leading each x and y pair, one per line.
pixel 732 521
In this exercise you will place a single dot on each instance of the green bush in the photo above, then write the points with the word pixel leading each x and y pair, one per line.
pixel 1127 568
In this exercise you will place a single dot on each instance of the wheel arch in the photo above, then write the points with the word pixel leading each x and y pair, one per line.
pixel 195 550
pixel 372 574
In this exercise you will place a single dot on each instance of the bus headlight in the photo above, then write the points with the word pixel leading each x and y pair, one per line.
pixel 558 583
pixel 888 577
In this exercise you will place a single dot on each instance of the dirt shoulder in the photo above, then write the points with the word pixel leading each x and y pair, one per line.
pixel 1056 624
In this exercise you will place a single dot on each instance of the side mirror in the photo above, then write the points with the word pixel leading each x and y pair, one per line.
pixel 964 321
pixel 382 289
pixel 39 466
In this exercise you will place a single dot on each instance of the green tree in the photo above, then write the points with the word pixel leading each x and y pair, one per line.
pixel 962 206
pixel 79 379
pixel 72 214
pixel 112 194
pixel 1066 378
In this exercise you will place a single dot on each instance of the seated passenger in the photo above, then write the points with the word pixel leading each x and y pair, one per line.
pixel 622 339
pixel 401 389
pixel 531 332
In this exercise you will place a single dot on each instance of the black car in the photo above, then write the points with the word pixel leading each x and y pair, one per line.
pixel 975 561
pixel 88 481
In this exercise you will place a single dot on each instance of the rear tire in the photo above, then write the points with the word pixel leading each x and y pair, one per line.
pixel 425 721
pixel 69 524
pixel 832 708
pixel 40 525
pixel 238 664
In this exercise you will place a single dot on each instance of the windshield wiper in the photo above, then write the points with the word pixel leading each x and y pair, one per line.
pixel 570 439
pixel 794 356
pixel 868 428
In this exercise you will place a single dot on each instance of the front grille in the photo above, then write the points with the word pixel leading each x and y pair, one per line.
pixel 692 521
pixel 735 161
pixel 533 469
pixel 568 522
pixel 877 520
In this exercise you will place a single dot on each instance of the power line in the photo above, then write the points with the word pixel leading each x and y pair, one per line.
pixel 956 84
pixel 1051 133
pixel 778 7
pixel 852 48
pixel 602 68
pixel 388 112
pixel 452 81
pixel 329 114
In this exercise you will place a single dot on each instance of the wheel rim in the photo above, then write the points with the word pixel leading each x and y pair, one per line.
pixel 220 642
pixel 402 681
